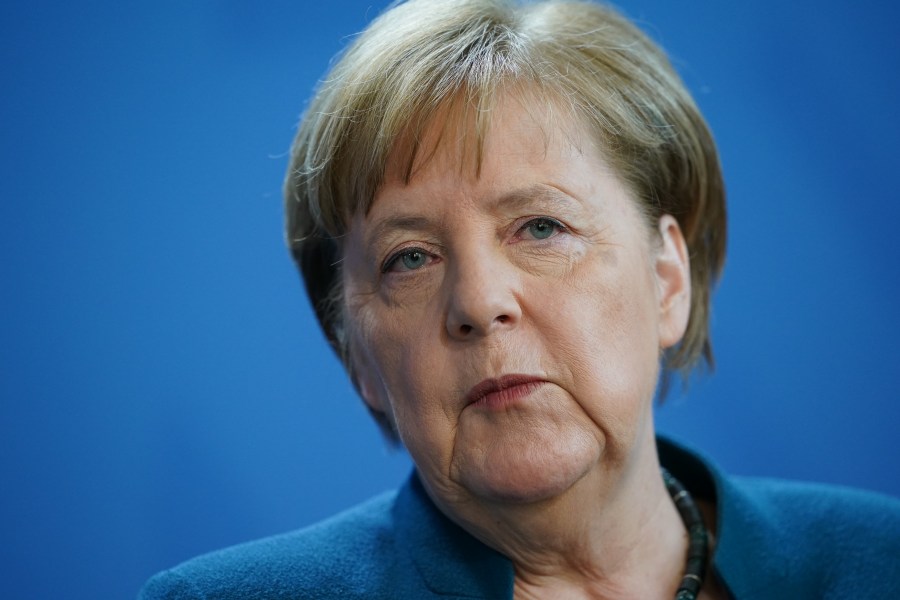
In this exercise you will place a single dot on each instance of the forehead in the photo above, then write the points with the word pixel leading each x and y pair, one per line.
pixel 529 156
pixel 464 133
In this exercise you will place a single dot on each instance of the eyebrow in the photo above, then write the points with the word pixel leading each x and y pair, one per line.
pixel 538 192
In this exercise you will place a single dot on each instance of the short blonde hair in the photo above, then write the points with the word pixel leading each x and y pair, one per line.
pixel 422 56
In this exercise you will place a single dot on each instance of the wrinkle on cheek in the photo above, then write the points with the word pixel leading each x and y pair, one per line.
pixel 589 251
pixel 359 292
pixel 612 412
pixel 360 320
pixel 410 370
pixel 559 262
pixel 407 292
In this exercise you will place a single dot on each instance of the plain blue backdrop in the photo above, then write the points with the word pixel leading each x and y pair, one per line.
pixel 165 390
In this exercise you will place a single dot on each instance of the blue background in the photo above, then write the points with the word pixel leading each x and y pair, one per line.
pixel 165 390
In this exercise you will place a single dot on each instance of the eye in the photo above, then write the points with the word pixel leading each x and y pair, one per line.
pixel 542 228
pixel 409 259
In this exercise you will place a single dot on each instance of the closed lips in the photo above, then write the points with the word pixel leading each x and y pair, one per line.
pixel 506 387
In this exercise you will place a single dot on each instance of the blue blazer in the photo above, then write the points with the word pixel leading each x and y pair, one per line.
pixel 776 540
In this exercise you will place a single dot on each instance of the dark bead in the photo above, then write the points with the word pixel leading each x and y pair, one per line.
pixel 698 544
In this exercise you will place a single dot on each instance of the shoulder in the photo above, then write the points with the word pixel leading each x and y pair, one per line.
pixel 809 512
pixel 788 540
pixel 827 540
pixel 344 557
pixel 837 508
pixel 398 546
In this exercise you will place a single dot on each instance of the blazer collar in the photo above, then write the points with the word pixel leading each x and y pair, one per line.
pixel 451 562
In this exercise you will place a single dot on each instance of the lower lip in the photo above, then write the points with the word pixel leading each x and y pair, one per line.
pixel 507 396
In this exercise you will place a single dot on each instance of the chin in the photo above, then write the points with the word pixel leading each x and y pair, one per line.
pixel 525 473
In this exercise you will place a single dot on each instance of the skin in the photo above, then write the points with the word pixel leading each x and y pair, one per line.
pixel 537 264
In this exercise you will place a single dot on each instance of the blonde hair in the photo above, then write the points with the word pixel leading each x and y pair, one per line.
pixel 421 57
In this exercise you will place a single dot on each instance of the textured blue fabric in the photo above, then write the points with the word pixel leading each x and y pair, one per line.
pixel 776 540
pixel 782 540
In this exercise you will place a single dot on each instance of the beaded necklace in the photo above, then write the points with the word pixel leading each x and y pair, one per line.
pixel 695 569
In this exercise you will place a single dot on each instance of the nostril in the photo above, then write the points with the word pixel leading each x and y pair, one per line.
pixel 465 329
pixel 502 319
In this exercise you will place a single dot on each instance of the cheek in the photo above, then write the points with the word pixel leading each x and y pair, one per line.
pixel 609 306
pixel 411 368
pixel 601 337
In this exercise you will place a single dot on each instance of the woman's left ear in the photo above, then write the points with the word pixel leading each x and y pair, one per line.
pixel 673 278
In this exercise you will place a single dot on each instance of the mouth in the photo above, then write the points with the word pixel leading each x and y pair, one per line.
pixel 502 391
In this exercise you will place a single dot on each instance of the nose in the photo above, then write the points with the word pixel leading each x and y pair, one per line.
pixel 483 297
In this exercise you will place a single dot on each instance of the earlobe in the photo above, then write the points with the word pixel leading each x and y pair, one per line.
pixel 673 276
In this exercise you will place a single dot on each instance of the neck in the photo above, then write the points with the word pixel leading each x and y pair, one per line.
pixel 614 534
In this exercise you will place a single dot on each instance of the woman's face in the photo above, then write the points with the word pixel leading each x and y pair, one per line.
pixel 509 320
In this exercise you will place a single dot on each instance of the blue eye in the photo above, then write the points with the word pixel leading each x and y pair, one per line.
pixel 542 228
pixel 407 260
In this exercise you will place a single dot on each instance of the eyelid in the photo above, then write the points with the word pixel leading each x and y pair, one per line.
pixel 393 257
pixel 528 221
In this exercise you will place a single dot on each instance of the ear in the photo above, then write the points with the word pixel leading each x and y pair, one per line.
pixel 673 277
